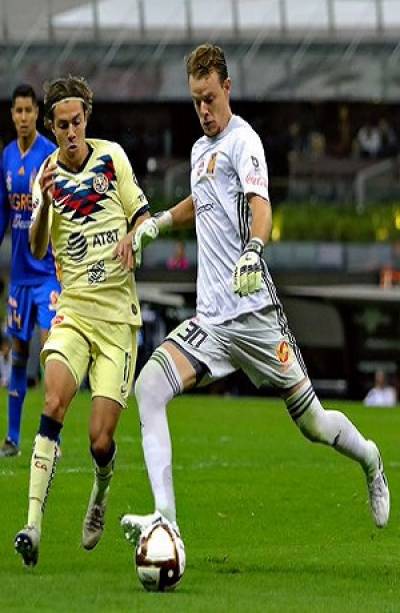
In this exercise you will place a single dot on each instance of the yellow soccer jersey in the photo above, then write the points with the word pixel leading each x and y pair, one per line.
pixel 90 213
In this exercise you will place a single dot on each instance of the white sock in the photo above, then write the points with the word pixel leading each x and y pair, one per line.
pixel 158 383
pixel 329 427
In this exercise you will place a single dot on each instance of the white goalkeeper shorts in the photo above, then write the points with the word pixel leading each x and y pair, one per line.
pixel 260 344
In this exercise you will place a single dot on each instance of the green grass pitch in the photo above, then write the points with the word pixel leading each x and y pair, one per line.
pixel 270 521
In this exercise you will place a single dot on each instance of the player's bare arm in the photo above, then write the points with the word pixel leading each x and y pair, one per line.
pixel 183 214
pixel 261 217
pixel 39 233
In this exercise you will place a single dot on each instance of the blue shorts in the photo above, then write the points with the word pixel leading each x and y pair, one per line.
pixel 31 304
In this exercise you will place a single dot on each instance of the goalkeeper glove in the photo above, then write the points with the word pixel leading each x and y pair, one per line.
pixel 247 276
pixel 148 231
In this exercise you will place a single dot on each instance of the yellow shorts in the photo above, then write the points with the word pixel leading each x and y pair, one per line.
pixel 103 350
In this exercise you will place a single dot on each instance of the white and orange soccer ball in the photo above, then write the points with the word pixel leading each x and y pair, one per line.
pixel 160 557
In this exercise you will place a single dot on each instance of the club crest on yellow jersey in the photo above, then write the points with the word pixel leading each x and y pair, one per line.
pixel 100 183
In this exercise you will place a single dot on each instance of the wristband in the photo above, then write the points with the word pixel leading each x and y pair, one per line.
pixel 163 220
pixel 255 244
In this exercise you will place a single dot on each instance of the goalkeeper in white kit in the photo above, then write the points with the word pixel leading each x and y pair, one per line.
pixel 239 322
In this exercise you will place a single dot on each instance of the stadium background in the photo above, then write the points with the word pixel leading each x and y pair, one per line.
pixel 307 76
pixel 270 522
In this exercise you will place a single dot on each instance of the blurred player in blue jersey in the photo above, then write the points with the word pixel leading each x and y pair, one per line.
pixel 33 284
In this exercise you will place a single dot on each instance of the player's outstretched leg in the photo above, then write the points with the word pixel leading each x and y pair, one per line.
pixel 158 382
pixel 93 523
pixel 378 489
pixel 43 466
pixel 335 429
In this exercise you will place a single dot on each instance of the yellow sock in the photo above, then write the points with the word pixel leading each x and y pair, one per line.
pixel 43 465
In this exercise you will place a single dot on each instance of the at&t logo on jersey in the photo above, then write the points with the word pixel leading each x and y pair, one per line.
pixel 77 246
pixel 108 237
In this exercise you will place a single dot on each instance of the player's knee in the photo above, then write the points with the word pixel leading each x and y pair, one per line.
pixel 142 385
pixel 148 396
pixel 55 405
pixel 152 388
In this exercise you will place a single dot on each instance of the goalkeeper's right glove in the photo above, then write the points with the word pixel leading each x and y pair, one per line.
pixel 148 231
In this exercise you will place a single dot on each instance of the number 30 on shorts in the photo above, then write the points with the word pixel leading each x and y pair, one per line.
pixel 193 335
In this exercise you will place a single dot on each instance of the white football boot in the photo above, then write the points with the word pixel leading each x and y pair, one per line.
pixel 378 489
pixel 134 525
pixel 27 545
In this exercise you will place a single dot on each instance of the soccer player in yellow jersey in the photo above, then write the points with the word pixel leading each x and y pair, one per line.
pixel 85 201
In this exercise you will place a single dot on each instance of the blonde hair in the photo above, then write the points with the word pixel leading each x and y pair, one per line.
pixel 205 59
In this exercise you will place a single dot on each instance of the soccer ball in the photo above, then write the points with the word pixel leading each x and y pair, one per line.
pixel 160 557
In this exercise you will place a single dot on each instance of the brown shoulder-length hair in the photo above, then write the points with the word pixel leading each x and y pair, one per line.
pixel 205 59
pixel 68 87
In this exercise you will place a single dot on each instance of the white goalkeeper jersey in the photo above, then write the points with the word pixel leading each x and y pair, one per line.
pixel 224 169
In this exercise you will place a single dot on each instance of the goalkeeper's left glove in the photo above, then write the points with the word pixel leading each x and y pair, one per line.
pixel 247 276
